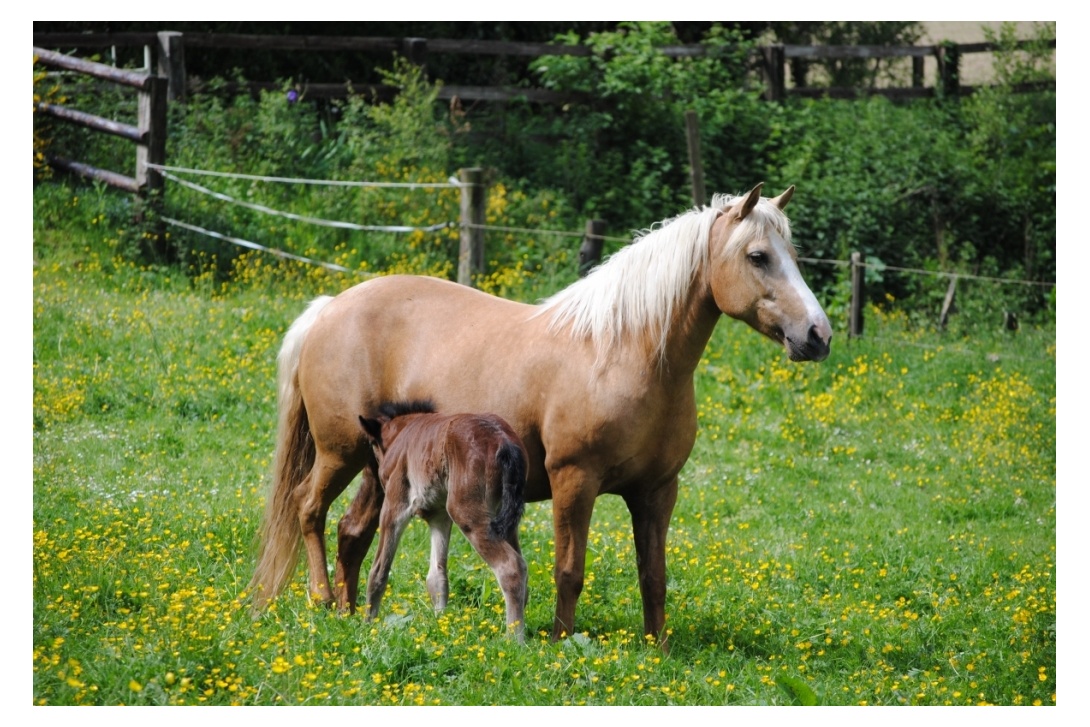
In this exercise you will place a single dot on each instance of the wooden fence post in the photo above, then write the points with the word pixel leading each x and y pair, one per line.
pixel 151 149
pixel 696 164
pixel 948 302
pixel 416 50
pixel 471 246
pixel 590 252
pixel 948 57
pixel 172 63
pixel 855 315
pixel 775 86
pixel 917 72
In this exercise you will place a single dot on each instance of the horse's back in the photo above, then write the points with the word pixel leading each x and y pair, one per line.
pixel 404 338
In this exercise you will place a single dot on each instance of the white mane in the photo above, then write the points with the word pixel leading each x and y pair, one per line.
pixel 638 288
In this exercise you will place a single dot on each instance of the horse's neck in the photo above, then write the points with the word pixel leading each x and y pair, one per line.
pixel 689 333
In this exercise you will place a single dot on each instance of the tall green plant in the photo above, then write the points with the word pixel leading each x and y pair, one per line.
pixel 407 131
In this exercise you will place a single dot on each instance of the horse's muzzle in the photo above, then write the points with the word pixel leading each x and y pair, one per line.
pixel 814 348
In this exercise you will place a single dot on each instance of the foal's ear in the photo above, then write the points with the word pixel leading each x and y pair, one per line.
pixel 373 427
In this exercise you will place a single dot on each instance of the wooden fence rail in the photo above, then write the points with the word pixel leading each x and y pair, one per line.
pixel 773 61
pixel 149 134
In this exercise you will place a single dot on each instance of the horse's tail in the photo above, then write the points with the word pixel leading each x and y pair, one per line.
pixel 280 533
pixel 512 462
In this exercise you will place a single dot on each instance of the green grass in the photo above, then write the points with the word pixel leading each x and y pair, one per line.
pixel 876 529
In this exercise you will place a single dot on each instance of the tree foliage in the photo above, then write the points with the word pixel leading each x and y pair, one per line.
pixel 630 142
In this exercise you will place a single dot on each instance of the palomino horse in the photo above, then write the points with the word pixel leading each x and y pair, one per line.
pixel 465 468
pixel 597 381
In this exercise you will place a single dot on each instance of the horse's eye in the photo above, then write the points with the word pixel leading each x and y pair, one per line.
pixel 758 258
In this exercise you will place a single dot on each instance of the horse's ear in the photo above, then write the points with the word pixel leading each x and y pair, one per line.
pixel 750 201
pixel 784 198
pixel 373 427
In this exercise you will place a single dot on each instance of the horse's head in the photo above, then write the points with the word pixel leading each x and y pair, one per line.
pixel 754 276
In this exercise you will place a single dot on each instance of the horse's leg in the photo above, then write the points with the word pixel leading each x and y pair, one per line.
pixel 573 503
pixel 651 510
pixel 438 584
pixel 327 479
pixel 355 532
pixel 396 514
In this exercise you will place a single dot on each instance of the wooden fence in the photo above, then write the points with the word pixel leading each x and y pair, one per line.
pixel 149 134
pixel 772 61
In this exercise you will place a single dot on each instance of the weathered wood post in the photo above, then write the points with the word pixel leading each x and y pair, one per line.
pixel 775 84
pixel 696 163
pixel 948 302
pixel 416 50
pixel 948 56
pixel 471 246
pixel 171 63
pixel 152 149
pixel 590 252
pixel 855 314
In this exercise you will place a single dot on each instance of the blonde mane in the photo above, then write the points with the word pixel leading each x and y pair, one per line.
pixel 638 289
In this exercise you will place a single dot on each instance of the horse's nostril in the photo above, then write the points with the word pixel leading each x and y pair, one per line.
pixel 817 343
pixel 816 339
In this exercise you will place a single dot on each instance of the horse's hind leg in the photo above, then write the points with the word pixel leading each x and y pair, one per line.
pixel 313 496
pixel 355 532
pixel 438 584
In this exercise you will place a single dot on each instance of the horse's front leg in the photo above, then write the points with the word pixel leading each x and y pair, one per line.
pixel 651 510
pixel 355 532
pixel 573 503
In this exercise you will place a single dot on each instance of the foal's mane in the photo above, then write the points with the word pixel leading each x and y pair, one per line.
pixel 394 409
pixel 636 291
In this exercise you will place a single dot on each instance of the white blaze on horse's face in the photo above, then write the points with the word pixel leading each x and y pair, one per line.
pixel 755 277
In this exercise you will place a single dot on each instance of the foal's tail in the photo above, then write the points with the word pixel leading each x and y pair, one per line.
pixel 280 532
pixel 512 462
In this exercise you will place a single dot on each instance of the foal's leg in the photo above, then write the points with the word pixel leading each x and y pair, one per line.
pixel 505 560
pixel 513 541
pixel 355 532
pixel 438 584
pixel 509 568
pixel 327 479
pixel 651 510
pixel 396 514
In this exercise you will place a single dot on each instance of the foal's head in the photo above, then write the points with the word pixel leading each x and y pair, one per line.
pixel 381 429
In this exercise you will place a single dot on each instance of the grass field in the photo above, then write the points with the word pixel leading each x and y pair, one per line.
pixel 876 529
